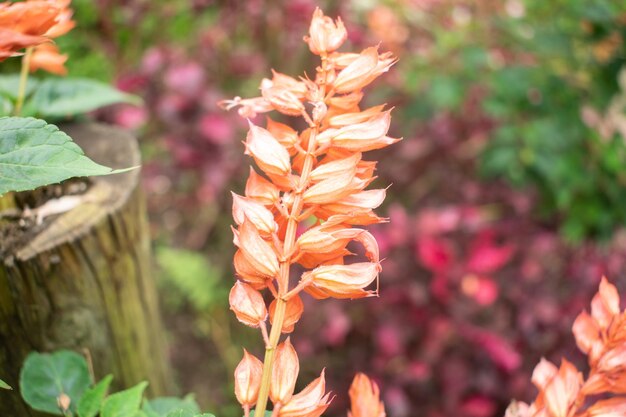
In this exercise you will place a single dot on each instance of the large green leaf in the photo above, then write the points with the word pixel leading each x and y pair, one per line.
pixel 163 405
pixel 45 377
pixel 124 403
pixel 89 404
pixel 34 153
pixel 4 385
pixel 62 97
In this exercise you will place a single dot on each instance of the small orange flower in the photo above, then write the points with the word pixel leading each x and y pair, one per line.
pixel 324 34
pixel 248 304
pixel 284 373
pixel 342 281
pixel 256 251
pixel 294 310
pixel 312 401
pixel 257 213
pixel 260 189
pixel 365 398
pixel 268 153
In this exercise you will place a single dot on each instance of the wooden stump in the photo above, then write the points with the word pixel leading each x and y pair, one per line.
pixel 82 279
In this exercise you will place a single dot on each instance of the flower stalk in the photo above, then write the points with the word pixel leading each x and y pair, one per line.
pixel 21 91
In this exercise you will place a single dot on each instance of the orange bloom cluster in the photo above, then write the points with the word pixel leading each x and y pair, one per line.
pixel 563 391
pixel 34 23
pixel 318 176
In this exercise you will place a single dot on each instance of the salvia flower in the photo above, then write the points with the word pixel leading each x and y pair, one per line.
pixel 365 398
pixel 318 176
pixel 248 380
pixel 563 391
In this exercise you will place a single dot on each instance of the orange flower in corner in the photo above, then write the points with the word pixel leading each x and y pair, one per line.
pixel 563 392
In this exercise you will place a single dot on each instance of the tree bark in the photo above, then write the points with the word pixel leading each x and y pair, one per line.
pixel 82 280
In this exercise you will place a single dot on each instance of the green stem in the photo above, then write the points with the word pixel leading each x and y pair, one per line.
pixel 21 92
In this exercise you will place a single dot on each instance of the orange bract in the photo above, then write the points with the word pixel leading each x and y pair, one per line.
pixel 365 398
pixel 319 172
pixel 563 392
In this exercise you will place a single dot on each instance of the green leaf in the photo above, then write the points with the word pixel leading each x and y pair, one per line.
pixel 9 84
pixel 89 404
pixel 124 403
pixel 163 405
pixel 4 385
pixel 45 377
pixel 34 153
pixel 192 275
pixel 62 97
pixel 187 413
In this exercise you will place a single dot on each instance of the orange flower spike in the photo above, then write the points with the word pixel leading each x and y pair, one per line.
pixel 261 189
pixel 257 213
pixel 310 402
pixel 295 308
pixel 48 58
pixel 324 34
pixel 365 398
pixel 248 380
pixel 248 304
pixel 343 281
pixel 284 373
pixel 605 304
pixel 268 153
pixel 257 252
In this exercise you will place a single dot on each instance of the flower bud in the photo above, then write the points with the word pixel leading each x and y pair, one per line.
pixel 248 273
pixel 360 137
pixel 248 304
pixel 284 373
pixel 257 252
pixel 331 189
pixel 248 379
pixel 605 304
pixel 310 402
pixel 261 189
pixel 334 168
pixel 362 71
pixel 284 134
pixel 324 34
pixel 268 153
pixel 293 312
pixel 343 281
pixel 284 93
pixel 261 217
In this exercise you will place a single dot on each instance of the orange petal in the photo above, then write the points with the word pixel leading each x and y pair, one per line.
pixel 351 77
pixel 365 398
pixel 605 304
pixel 310 402
pixel 335 167
pixel 248 379
pixel 293 312
pixel 257 252
pixel 284 373
pixel 261 217
pixel 585 331
pixel 344 281
pixel 331 189
pixel 268 153
pixel 248 304
pixel 261 189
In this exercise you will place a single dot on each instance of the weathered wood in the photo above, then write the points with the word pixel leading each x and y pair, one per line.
pixel 82 280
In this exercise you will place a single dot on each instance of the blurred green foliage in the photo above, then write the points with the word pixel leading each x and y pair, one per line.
pixel 548 73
